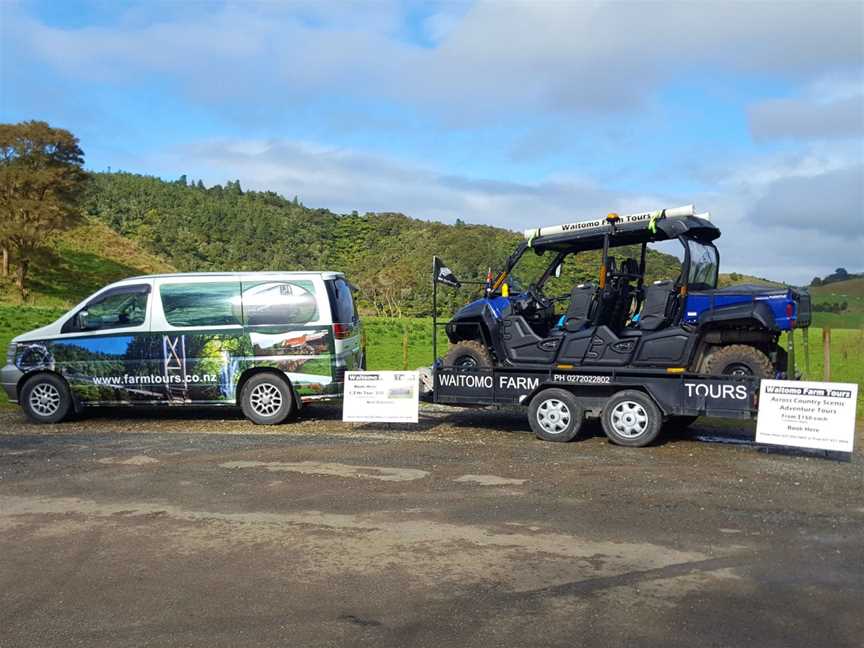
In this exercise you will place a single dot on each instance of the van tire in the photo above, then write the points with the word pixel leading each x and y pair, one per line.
pixel 468 354
pixel 555 415
pixel 631 418
pixel 739 360
pixel 45 398
pixel 267 399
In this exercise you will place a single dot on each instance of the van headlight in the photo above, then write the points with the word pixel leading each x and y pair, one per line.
pixel 11 350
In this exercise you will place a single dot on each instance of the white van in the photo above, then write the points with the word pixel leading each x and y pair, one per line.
pixel 267 341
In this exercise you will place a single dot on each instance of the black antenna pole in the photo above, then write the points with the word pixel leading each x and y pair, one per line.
pixel 434 310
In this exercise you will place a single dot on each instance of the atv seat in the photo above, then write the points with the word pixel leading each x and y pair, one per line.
pixel 616 299
pixel 583 304
pixel 657 310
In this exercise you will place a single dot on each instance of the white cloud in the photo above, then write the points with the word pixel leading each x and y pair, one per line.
pixel 490 59
pixel 830 203
pixel 831 107
pixel 345 180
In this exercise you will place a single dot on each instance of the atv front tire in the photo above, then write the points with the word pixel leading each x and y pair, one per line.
pixel 468 354
pixel 739 360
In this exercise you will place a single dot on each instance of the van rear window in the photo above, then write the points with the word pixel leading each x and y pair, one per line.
pixel 341 301
pixel 201 304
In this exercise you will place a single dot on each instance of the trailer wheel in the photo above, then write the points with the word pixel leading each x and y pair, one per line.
pixel 631 418
pixel 555 415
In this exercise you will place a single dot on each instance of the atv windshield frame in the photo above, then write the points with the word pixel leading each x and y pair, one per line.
pixel 691 228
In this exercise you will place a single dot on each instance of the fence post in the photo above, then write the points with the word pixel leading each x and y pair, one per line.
pixel 806 335
pixel 790 355
pixel 826 354
pixel 404 346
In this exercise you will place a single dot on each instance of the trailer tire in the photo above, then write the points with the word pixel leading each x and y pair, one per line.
pixel 555 415
pixel 739 360
pixel 468 354
pixel 630 418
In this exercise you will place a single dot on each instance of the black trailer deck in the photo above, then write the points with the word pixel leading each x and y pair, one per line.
pixel 599 393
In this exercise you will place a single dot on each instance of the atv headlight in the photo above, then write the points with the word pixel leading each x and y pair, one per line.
pixel 11 350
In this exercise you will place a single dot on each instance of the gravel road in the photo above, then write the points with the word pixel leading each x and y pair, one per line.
pixel 200 529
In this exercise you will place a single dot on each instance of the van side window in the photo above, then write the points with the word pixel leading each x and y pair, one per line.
pixel 121 307
pixel 201 304
pixel 342 302
pixel 279 302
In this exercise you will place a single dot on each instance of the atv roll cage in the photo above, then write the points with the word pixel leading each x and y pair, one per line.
pixel 600 234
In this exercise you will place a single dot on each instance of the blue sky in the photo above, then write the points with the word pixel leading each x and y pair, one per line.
pixel 509 113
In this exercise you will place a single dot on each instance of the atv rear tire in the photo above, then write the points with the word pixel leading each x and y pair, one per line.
pixel 739 360
pixel 468 354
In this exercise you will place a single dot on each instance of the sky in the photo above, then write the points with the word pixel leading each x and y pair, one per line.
pixel 514 114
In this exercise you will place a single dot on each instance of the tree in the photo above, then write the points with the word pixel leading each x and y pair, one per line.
pixel 41 183
pixel 817 281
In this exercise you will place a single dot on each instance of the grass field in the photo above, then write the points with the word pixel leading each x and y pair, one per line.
pixel 385 340
pixel 851 292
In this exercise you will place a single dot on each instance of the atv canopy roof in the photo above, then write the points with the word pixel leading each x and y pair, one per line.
pixel 630 229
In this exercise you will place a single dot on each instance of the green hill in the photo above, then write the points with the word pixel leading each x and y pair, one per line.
pixel 387 255
pixel 734 278
pixel 848 288
pixel 83 260
pixel 839 304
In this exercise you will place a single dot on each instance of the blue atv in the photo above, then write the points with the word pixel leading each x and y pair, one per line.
pixel 682 324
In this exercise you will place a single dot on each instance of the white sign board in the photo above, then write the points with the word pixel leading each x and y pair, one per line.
pixel 381 396
pixel 807 414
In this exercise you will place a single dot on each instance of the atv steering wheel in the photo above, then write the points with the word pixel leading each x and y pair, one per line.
pixel 532 301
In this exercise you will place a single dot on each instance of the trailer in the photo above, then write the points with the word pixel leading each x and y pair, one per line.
pixel 637 355
pixel 634 405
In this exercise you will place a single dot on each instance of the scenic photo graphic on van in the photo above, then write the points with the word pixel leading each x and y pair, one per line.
pixel 265 341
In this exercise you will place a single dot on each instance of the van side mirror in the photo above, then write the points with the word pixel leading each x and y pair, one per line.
pixel 81 320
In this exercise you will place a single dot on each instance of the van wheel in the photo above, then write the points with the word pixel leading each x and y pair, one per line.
pixel 555 415
pixel 739 360
pixel 266 399
pixel 46 399
pixel 631 418
pixel 468 354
